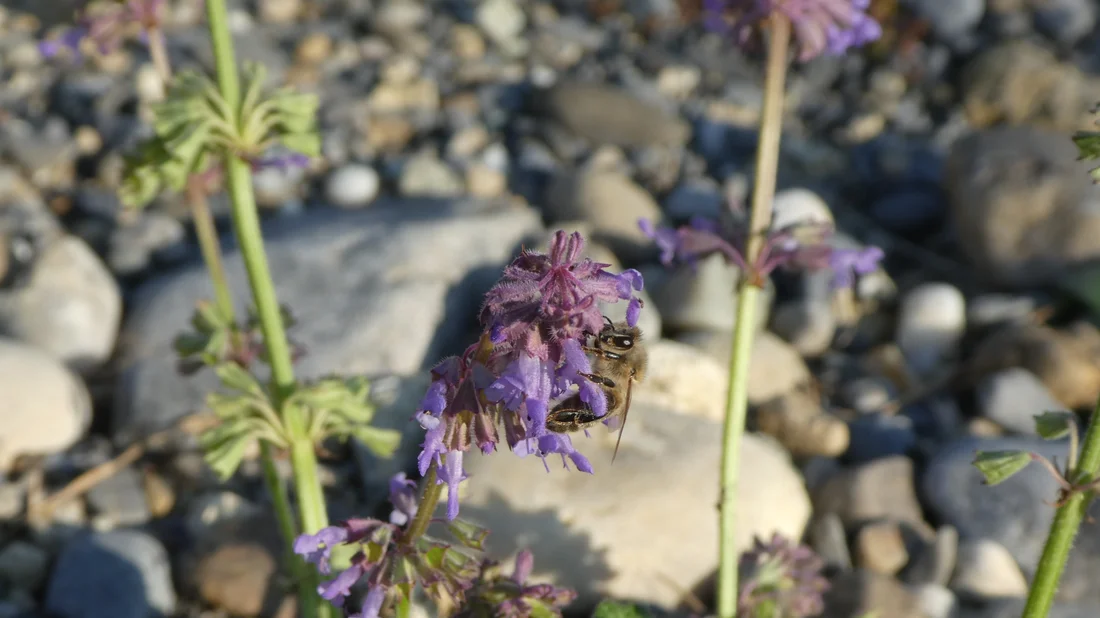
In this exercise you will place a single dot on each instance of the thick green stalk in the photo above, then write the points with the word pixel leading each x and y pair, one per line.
pixel 246 224
pixel 210 247
pixel 1064 527
pixel 748 297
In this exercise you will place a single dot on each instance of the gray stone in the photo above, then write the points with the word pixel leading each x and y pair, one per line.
pixel 608 115
pixel 1012 397
pixel 611 203
pixel 395 398
pixel 695 198
pixel 881 489
pixel 986 569
pixel 133 247
pixel 1014 513
pixel 46 407
pixel 949 19
pixel 808 322
pixel 390 289
pixel 119 500
pixel 664 473
pixel 1065 21
pixel 425 175
pixel 1024 208
pixel 120 574
pixel 704 297
pixel 23 566
pixel 70 307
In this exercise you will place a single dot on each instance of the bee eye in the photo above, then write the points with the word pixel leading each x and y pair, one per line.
pixel 624 342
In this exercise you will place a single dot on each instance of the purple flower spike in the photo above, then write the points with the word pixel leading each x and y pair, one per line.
pixel 819 26
pixel 846 263
pixel 372 605
pixel 282 162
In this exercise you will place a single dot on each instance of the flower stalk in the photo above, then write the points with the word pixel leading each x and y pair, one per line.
pixel 1066 522
pixel 209 245
pixel 246 224
pixel 750 287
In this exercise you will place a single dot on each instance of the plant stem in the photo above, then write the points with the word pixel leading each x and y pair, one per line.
pixel 429 498
pixel 1064 527
pixel 207 234
pixel 767 161
pixel 246 225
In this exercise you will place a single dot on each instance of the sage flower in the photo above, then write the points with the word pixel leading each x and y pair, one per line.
pixel 819 26
pixel 106 24
pixel 535 320
pixel 781 579
pixel 804 247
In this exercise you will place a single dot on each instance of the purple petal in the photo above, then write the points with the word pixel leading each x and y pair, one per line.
pixel 452 474
pixel 403 498
pixel 316 548
pixel 372 604
pixel 633 311
pixel 339 588
pixel 525 563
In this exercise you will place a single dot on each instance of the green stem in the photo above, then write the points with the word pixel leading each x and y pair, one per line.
pixel 429 498
pixel 767 161
pixel 207 234
pixel 246 225
pixel 1064 527
pixel 210 247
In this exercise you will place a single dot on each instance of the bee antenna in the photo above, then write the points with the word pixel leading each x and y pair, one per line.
pixel 608 320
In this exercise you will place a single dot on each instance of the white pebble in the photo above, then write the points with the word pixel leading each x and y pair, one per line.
pixel 799 207
pixel 931 321
pixel 352 186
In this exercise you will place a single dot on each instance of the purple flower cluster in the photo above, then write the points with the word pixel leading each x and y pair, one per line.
pixel 820 26
pixel 536 320
pixel 105 24
pixel 390 563
pixel 785 578
pixel 802 248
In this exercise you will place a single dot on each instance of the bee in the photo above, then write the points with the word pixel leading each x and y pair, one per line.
pixel 620 361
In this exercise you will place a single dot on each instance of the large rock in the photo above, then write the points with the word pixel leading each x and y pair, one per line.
pixel 46 407
pixel 120 574
pixel 388 290
pixel 644 528
pixel 608 115
pixel 1024 208
pixel 1015 513
pixel 70 305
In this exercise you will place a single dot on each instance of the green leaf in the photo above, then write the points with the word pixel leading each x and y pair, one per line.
pixel 236 377
pixel 1088 145
pixel 468 534
pixel 1053 425
pixel 615 609
pixel 224 447
pixel 381 442
pixel 998 466
pixel 308 144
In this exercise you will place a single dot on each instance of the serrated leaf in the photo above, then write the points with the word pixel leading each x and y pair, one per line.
pixel 1053 425
pixel 999 466
pixel 236 377
pixel 227 407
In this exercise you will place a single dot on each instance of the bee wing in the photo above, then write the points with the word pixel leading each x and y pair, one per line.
pixel 622 425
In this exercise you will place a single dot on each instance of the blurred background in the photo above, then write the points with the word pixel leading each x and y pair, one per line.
pixel 455 132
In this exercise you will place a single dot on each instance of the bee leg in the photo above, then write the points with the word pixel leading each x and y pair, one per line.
pixel 573 414
pixel 601 380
